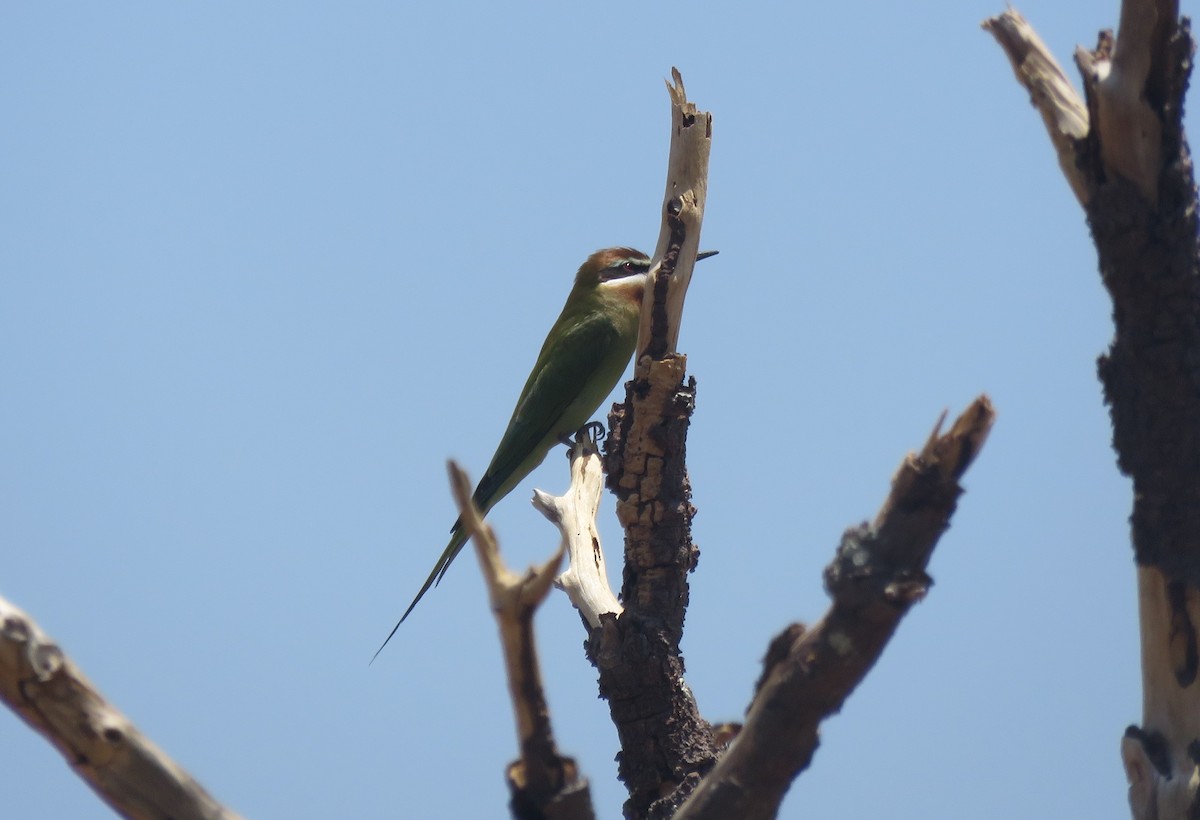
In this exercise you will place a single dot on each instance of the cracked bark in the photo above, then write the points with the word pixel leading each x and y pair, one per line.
pixel 1136 183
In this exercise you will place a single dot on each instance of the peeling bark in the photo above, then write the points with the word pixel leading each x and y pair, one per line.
pixel 1140 200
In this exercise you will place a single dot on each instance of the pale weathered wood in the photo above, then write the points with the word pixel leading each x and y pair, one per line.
pixel 1063 110
pixel 1129 129
pixel 132 775
pixel 682 215
pixel 586 578
pixel 1159 762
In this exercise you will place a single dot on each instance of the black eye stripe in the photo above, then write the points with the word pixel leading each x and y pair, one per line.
pixel 623 268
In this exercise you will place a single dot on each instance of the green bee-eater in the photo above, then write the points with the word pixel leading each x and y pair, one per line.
pixel 581 361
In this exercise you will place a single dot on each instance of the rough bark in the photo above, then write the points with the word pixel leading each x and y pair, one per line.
pixel 666 747
pixel 1140 200
pixel 875 578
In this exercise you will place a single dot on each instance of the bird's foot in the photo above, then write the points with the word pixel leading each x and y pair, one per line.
pixel 593 432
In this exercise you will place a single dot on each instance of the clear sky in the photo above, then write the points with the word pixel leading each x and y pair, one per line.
pixel 267 265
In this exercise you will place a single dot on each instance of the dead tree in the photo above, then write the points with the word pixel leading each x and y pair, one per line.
pixel 673 762
pixel 1123 151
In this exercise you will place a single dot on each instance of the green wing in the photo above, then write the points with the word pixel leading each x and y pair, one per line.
pixel 572 376
pixel 568 383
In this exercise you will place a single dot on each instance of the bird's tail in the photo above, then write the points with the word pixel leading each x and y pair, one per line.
pixel 458 537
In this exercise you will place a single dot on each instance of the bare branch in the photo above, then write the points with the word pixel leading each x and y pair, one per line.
pixel 129 773
pixel 679 237
pixel 877 575
pixel 1142 208
pixel 543 783
pixel 1129 129
pixel 666 747
pixel 586 578
pixel 1063 110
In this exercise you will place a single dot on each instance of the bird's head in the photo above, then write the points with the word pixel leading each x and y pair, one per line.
pixel 620 272
pixel 616 275
pixel 614 267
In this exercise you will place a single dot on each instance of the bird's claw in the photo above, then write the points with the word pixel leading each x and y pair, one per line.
pixel 593 431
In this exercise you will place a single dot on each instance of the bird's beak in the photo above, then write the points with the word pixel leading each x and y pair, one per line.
pixel 702 255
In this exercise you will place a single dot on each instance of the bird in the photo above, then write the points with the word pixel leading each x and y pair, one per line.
pixel 581 361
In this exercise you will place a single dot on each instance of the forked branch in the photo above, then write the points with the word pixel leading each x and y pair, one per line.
pixel 585 580
pixel 542 782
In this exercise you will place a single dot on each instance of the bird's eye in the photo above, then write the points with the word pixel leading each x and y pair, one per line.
pixel 627 267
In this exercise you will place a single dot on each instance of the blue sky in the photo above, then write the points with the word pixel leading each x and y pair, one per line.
pixel 266 266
